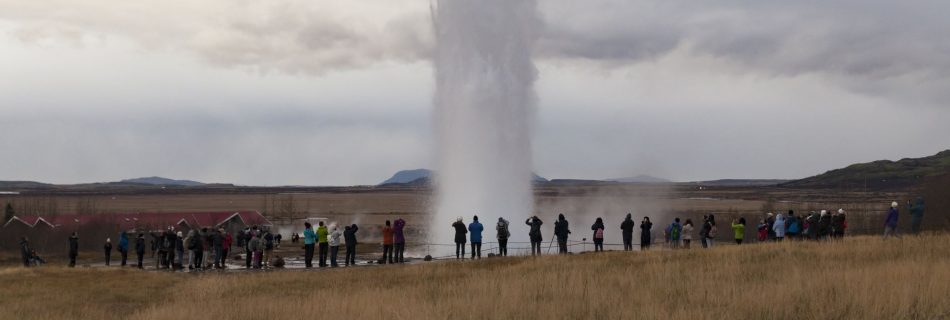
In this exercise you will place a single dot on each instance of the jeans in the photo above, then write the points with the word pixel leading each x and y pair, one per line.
pixel 738 241
pixel 562 246
pixel 218 257
pixel 709 242
pixel 141 255
pixel 628 242
pixel 459 250
pixel 476 250
pixel 72 259
pixel 890 232
pixel 598 245
pixel 108 257
pixel 535 248
pixel 334 250
pixel 503 247
pixel 125 256
pixel 387 253
pixel 400 252
pixel 324 250
pixel 248 255
pixel 308 255
pixel 350 255
pixel 268 253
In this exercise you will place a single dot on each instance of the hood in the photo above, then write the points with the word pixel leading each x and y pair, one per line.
pixel 560 216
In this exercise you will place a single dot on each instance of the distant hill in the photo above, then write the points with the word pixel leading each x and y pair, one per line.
pixel 740 182
pixel 422 177
pixel 881 174
pixel 23 185
pixel 407 176
pixel 641 179
pixel 159 181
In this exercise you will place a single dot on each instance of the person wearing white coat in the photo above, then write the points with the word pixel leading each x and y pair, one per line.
pixel 779 227
pixel 687 235
pixel 334 241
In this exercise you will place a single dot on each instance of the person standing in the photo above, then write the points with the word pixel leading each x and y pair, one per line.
pixel 255 247
pixel 217 244
pixel 598 228
pixel 460 232
pixel 196 246
pixel 561 231
pixel 738 228
pixel 687 233
pixel 916 215
pixel 769 221
pixel 704 231
pixel 502 234
pixel 475 228
pixel 269 245
pixel 793 226
pixel 140 248
pixel 73 249
pixel 309 240
pixel 25 251
pixel 387 243
pixel 646 233
pixel 277 238
pixel 124 246
pixel 400 239
pixel 839 223
pixel 676 233
pixel 349 234
pixel 890 224
pixel 249 254
pixel 323 242
pixel 626 229
pixel 713 231
pixel 335 236
pixel 779 227
pixel 534 234
pixel 179 251
pixel 226 247
pixel 107 250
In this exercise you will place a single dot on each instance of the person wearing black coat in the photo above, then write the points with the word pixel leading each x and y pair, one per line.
pixel 349 236
pixel 626 228
pixel 646 233
pixel 460 231
pixel 598 242
pixel 704 231
pixel 107 248
pixel 73 249
pixel 535 234
pixel 179 251
pixel 25 252
pixel 140 248
pixel 561 231
pixel 217 247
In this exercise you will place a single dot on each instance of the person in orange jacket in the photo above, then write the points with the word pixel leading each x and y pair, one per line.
pixel 387 243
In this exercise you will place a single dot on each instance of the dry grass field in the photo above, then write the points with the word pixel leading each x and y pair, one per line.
pixel 859 278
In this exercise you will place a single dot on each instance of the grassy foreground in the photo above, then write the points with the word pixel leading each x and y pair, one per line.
pixel 860 278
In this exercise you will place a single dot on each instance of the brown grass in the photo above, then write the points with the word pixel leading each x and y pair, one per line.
pixel 860 278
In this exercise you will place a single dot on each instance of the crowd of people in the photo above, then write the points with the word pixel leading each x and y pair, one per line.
pixel 175 250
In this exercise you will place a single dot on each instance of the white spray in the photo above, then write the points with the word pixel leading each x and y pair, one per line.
pixel 484 103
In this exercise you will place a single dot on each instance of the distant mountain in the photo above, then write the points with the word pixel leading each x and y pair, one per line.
pixel 159 181
pixel 740 182
pixel 640 179
pixel 23 185
pixel 881 174
pixel 422 176
pixel 407 176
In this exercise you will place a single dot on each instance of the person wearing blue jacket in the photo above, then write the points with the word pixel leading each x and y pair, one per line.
pixel 475 229
pixel 890 224
pixel 309 240
pixel 124 246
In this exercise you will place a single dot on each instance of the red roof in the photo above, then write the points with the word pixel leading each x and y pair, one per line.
pixel 133 220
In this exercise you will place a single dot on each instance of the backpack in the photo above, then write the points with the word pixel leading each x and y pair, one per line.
pixel 599 234
pixel 712 232
pixel 793 228
pixel 674 232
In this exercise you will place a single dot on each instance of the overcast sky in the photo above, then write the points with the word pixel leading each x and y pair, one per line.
pixel 313 92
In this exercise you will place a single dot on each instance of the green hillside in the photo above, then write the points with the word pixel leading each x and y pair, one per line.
pixel 881 174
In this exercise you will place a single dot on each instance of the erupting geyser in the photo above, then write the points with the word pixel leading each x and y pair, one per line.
pixel 484 103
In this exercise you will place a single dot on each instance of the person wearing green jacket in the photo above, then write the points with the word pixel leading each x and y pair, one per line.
pixel 323 240
pixel 309 239
pixel 739 229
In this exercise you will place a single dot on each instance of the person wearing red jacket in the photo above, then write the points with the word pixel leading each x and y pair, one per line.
pixel 226 244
